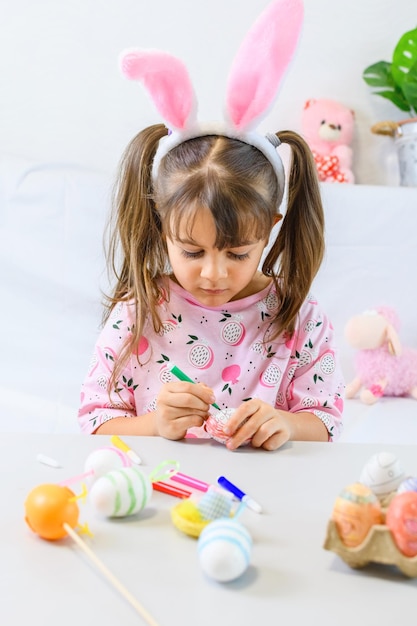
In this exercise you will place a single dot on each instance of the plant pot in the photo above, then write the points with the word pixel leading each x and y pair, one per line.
pixel 404 134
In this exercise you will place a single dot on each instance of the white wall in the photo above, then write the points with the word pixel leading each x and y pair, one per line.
pixel 62 97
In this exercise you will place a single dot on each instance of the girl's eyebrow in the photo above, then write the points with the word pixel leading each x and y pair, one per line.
pixel 192 242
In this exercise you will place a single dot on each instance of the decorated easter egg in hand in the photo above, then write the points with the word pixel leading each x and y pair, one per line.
pixel 215 423
pixel 355 511
pixel 224 550
pixel 401 519
pixel 48 507
pixel 104 460
pixel 383 473
pixel 120 493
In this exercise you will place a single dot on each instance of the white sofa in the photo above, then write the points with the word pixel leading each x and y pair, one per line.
pixel 51 227
pixel 52 219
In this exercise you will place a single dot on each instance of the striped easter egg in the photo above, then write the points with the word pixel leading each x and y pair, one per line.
pixel 224 550
pixel 121 492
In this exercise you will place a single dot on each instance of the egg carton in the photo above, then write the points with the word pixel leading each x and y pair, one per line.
pixel 378 547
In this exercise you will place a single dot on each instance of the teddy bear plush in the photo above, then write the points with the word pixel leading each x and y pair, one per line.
pixel 327 126
pixel 383 366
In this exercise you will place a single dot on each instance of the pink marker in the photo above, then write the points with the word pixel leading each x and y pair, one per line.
pixel 194 483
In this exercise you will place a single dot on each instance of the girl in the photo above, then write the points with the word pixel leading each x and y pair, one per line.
pixel 186 245
pixel 194 211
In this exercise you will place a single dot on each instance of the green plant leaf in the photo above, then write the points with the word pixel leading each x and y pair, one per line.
pixel 405 56
pixel 379 75
pixel 396 97
pixel 410 87
pixel 397 81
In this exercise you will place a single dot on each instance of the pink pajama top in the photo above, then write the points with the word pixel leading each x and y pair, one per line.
pixel 227 348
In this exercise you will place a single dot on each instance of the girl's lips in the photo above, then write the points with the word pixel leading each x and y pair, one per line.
pixel 214 292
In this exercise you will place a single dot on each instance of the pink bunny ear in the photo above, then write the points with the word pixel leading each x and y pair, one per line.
pixel 261 62
pixel 167 80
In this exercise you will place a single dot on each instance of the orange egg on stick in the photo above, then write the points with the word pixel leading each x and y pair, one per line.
pixel 48 507
pixel 51 511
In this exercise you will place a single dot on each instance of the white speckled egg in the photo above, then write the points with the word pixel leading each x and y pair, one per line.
pixel 120 493
pixel 383 473
pixel 105 460
pixel 224 550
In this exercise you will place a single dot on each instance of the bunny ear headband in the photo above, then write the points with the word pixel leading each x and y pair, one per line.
pixel 252 87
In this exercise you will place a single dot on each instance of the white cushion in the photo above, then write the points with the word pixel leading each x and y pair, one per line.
pixel 52 219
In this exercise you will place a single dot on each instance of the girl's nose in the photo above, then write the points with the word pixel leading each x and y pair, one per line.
pixel 213 269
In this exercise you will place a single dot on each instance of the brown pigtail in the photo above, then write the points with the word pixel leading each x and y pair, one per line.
pixel 299 246
pixel 136 252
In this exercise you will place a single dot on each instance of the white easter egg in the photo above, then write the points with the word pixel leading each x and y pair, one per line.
pixel 383 473
pixel 224 550
pixel 120 493
pixel 104 460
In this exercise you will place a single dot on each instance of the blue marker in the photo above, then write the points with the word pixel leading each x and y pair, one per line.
pixel 239 494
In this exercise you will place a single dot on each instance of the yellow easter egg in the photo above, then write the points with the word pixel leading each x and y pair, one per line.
pixel 355 511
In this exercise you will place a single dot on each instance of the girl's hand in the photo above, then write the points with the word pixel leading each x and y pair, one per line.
pixel 181 405
pixel 266 426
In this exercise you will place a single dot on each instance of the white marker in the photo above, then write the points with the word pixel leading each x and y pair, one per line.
pixel 47 460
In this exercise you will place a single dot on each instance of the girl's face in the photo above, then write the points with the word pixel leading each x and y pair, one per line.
pixel 214 276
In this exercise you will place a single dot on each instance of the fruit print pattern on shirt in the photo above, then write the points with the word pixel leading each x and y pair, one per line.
pixel 229 349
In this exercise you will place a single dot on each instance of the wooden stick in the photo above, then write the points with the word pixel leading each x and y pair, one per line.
pixel 110 577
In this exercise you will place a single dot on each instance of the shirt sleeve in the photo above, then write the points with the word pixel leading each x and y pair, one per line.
pixel 318 385
pixel 98 404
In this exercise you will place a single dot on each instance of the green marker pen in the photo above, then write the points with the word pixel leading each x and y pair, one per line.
pixel 181 376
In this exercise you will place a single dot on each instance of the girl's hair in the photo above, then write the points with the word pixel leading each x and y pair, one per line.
pixel 237 184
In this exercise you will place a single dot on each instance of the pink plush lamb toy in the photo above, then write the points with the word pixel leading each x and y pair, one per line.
pixel 383 367
pixel 327 126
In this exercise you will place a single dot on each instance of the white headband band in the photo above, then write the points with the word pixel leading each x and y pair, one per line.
pixel 263 144
pixel 256 74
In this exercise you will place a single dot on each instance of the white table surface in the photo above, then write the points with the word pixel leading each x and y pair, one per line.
pixel 291 580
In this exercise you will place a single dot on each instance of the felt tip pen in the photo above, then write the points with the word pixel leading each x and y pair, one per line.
pixel 182 376
pixel 171 490
pixel 194 483
pixel 121 445
pixel 239 494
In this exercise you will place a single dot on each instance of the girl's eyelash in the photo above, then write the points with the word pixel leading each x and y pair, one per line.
pixel 239 257
pixel 191 255
pixel 196 255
